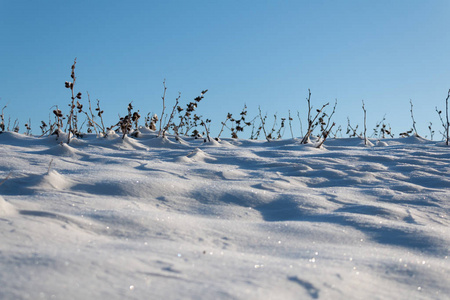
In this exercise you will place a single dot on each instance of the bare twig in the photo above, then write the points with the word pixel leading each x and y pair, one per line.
pixel 365 125
pixel 164 107
pixel 290 124
pixel 300 120
pixel 49 165
pixel 448 123
pixel 6 178
pixel 414 121
pixel 325 134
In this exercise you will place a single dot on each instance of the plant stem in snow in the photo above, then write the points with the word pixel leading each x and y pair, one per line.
pixel 164 107
pixel 414 121
pixel 448 123
pixel 365 124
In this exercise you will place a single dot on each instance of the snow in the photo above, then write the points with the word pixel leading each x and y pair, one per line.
pixel 154 218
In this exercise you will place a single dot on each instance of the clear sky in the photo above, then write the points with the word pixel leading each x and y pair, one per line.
pixel 259 53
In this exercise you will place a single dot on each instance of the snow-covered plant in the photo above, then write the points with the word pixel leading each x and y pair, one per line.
pixel 126 123
pixel 58 121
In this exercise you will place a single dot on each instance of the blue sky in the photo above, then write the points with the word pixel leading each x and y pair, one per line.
pixel 258 53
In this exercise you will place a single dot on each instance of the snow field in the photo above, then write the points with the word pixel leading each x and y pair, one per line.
pixel 236 219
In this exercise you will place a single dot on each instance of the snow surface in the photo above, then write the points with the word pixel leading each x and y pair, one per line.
pixel 153 218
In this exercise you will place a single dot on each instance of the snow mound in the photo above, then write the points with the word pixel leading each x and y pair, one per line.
pixel 65 150
pixel 382 144
pixel 54 180
pixel 212 143
pixel 164 142
pixel 197 155
pixel 6 208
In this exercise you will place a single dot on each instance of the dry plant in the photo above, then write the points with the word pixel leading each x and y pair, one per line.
pixel 282 128
pixel 72 118
pixel 338 131
pixel 43 127
pixel 326 126
pixel 413 120
pixel 185 121
pixel 2 119
pixel 290 124
pixel 237 125
pixel 151 121
pixel 172 115
pixel 6 178
pixel 58 121
pixel 377 130
pixel 382 129
pixel 164 107
pixel 353 131
pixel 300 121
pixel 413 130
pixel 28 127
pixel 189 120
pixel 91 117
pixel 312 122
pixel 365 124
pixel 431 130
pixel 125 124
pixel 206 124
pixel 262 126
pixel 446 123
pixel 325 135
